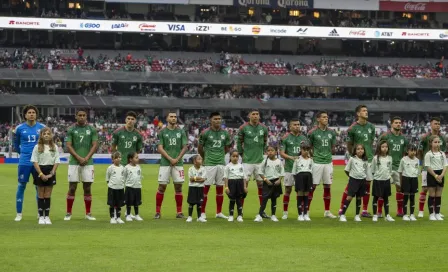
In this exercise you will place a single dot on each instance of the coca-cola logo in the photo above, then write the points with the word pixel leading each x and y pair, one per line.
pixel 357 33
pixel 415 6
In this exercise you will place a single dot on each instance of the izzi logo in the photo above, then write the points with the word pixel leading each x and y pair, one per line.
pixel 176 28
pixel 333 33
pixel 202 28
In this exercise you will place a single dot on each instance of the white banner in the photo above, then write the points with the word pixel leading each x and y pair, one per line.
pixel 347 4
pixel 224 29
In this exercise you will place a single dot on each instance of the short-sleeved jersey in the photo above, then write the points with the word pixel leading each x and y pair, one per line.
pixel 424 144
pixel 48 157
pixel 114 177
pixel 362 134
pixel 323 142
pixel 81 138
pixel 290 144
pixel 357 168
pixel 172 140
pixel 397 147
pixel 435 160
pixel 193 172
pixel 302 165
pixel 234 171
pixel 132 176
pixel 272 169
pixel 382 167
pixel 252 141
pixel 127 142
pixel 214 143
pixel 409 167
pixel 25 138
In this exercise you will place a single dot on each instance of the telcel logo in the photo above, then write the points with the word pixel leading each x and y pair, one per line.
pixel 89 25
pixel 176 27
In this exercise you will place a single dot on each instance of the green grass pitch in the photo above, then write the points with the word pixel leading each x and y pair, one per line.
pixel 171 244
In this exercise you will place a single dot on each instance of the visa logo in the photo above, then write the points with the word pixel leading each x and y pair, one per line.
pixel 176 27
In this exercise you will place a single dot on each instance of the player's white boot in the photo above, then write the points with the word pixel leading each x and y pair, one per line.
pixel 120 221
pixel 357 218
pixel 301 218
pixel 342 218
pixel 47 220
pixel 128 218
pixel 203 215
pixel 258 218
pixel 189 219
pixel 274 218
pixel 68 217
pixel 41 220
pixel 18 217
pixel 230 219
pixel 285 215
pixel 113 220
pixel 306 217
pixel 439 217
pixel 406 218
pixel 389 218
pixel 412 218
pixel 220 215
pixel 201 219
pixel 375 218
pixel 138 218
pixel 432 217
pixel 328 214
pixel 90 217
pixel 420 214
pixel 239 219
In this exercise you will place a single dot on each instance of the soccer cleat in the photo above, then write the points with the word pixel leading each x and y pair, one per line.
pixel 357 218
pixel 18 217
pixel 328 214
pixel 420 214
pixel 180 215
pixel 438 217
pixel 219 215
pixel 137 217
pixel 128 218
pixel 132 216
pixel 274 218
pixel 389 218
pixel 366 214
pixel 201 219
pixel 67 217
pixel 230 219
pixel 157 216
pixel 285 215
pixel 41 220
pixel 342 218
pixel 258 218
pixel 412 218
pixel 400 215
pixel 264 215
pixel 432 217
pixel 301 218
pixel 406 218
pixel 239 218
pixel 189 219
pixel 47 220
pixel 203 215
pixel 119 221
pixel 113 220
pixel 307 217
pixel 375 218
pixel 90 217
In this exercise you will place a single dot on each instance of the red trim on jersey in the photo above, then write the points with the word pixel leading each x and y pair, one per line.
pixel 243 125
pixel 118 129
pixel 312 129
pixel 286 135
pixel 204 131
pixel 425 135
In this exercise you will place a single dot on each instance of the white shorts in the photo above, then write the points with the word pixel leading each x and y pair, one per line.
pixel 214 175
pixel 289 179
pixel 369 176
pixel 174 172
pixel 395 178
pixel 323 172
pixel 252 170
pixel 424 178
pixel 77 173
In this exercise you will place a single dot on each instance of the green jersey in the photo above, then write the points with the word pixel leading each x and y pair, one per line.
pixel 397 147
pixel 172 141
pixel 290 144
pixel 214 143
pixel 127 142
pixel 252 141
pixel 323 142
pixel 424 144
pixel 82 139
pixel 362 134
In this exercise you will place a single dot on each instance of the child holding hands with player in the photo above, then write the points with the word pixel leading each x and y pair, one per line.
pixel 115 191
pixel 409 169
pixel 303 179
pixel 196 175
pixel 272 173
pixel 235 181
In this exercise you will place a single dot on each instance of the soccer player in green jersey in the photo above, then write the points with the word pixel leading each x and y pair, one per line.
pixel 82 142
pixel 252 140
pixel 172 146
pixel 362 132
pixel 127 139
pixel 323 140
pixel 397 149
pixel 423 148
pixel 290 151
pixel 214 144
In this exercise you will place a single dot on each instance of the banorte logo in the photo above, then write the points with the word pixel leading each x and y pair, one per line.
pixel 415 7
pixel 256 30
pixel 13 22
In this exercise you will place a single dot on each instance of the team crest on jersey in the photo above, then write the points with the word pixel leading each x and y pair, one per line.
pixel 402 141
pixel 88 132
pixel 178 135
pixel 223 137
pixel 134 138
pixel 369 130
pixel 261 132
pixel 329 136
